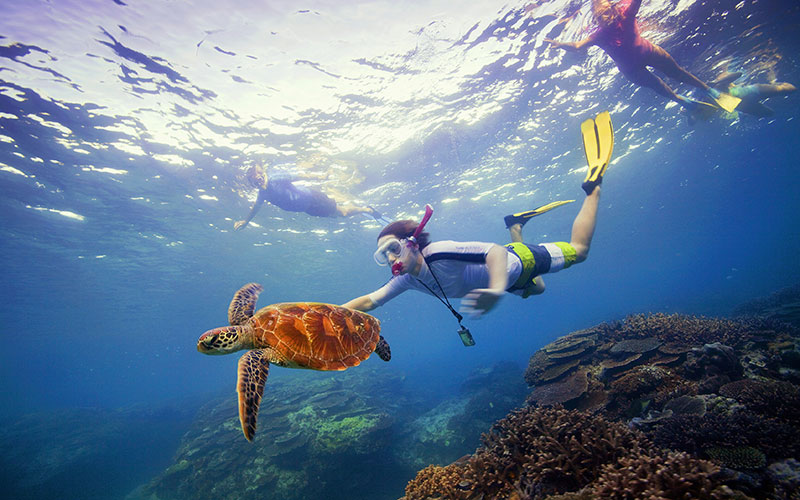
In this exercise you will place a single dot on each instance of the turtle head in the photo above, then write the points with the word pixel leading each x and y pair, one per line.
pixel 225 340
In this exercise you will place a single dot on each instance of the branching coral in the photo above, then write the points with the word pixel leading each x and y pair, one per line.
pixel 658 475
pixel 694 434
pixel 556 450
pixel 771 398
pixel 437 482
pixel 531 453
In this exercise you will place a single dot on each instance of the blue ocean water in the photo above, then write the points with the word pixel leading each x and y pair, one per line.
pixel 126 129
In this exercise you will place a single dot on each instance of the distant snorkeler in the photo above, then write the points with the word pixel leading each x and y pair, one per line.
pixel 751 95
pixel 618 35
pixel 279 190
pixel 479 272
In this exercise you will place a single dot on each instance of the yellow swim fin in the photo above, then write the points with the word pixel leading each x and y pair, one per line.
pixel 598 143
pixel 523 217
pixel 725 100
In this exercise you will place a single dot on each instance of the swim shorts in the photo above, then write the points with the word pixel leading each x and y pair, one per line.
pixel 540 259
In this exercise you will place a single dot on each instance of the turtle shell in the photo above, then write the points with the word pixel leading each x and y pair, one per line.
pixel 317 336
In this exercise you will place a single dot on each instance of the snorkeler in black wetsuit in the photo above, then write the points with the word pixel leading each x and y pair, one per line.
pixel 280 190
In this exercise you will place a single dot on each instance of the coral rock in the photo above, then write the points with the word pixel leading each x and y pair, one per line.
pixel 570 388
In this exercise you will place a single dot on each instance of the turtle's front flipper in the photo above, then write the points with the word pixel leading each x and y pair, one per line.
pixel 382 349
pixel 244 303
pixel 253 371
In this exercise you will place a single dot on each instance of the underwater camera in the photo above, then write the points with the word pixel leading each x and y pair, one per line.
pixel 466 336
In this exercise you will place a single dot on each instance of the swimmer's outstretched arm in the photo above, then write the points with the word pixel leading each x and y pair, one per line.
pixel 262 197
pixel 572 46
pixel 633 9
pixel 363 304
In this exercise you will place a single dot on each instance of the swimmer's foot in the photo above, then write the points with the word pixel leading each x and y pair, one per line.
pixel 724 100
pixel 523 217
pixel 598 144
pixel 377 216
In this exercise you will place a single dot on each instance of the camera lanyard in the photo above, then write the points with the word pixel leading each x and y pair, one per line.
pixel 463 332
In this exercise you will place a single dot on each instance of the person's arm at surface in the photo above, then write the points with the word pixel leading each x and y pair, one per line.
pixel 483 300
pixel 262 197
pixel 311 176
pixel 572 46
pixel 633 9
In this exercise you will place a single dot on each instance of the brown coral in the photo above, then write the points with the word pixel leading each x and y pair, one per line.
pixel 658 475
pixel 640 380
pixel 635 346
pixel 555 449
pixel 692 330
pixel 437 482
pixel 766 397
pixel 531 453
pixel 570 388
pixel 694 434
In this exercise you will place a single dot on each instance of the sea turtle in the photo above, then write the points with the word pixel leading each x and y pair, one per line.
pixel 293 334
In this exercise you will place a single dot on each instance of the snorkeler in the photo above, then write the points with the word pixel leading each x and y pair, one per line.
pixel 481 273
pixel 618 35
pixel 279 190
pixel 752 95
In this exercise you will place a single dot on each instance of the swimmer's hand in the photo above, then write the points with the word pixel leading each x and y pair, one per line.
pixel 239 224
pixel 480 301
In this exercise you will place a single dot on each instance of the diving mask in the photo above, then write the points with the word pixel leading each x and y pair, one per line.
pixel 400 252
pixel 392 246
pixel 400 249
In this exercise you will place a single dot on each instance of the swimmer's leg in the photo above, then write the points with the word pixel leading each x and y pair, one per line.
pixel 762 90
pixel 515 230
pixel 584 224
pixel 752 94
pixel 645 78
pixel 348 209
pixel 662 61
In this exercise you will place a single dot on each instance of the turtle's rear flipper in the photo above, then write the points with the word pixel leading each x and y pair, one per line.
pixel 253 371
pixel 382 349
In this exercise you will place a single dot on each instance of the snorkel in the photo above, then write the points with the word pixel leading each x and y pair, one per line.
pixel 411 242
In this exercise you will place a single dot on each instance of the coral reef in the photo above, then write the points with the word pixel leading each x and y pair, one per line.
pixel 454 426
pixel 783 305
pixel 316 432
pixel 785 475
pixel 659 475
pixel 330 435
pixel 553 453
pixel 767 397
pixel 739 457
pixel 654 406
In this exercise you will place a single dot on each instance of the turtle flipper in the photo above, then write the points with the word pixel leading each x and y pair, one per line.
pixel 253 371
pixel 382 349
pixel 244 303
